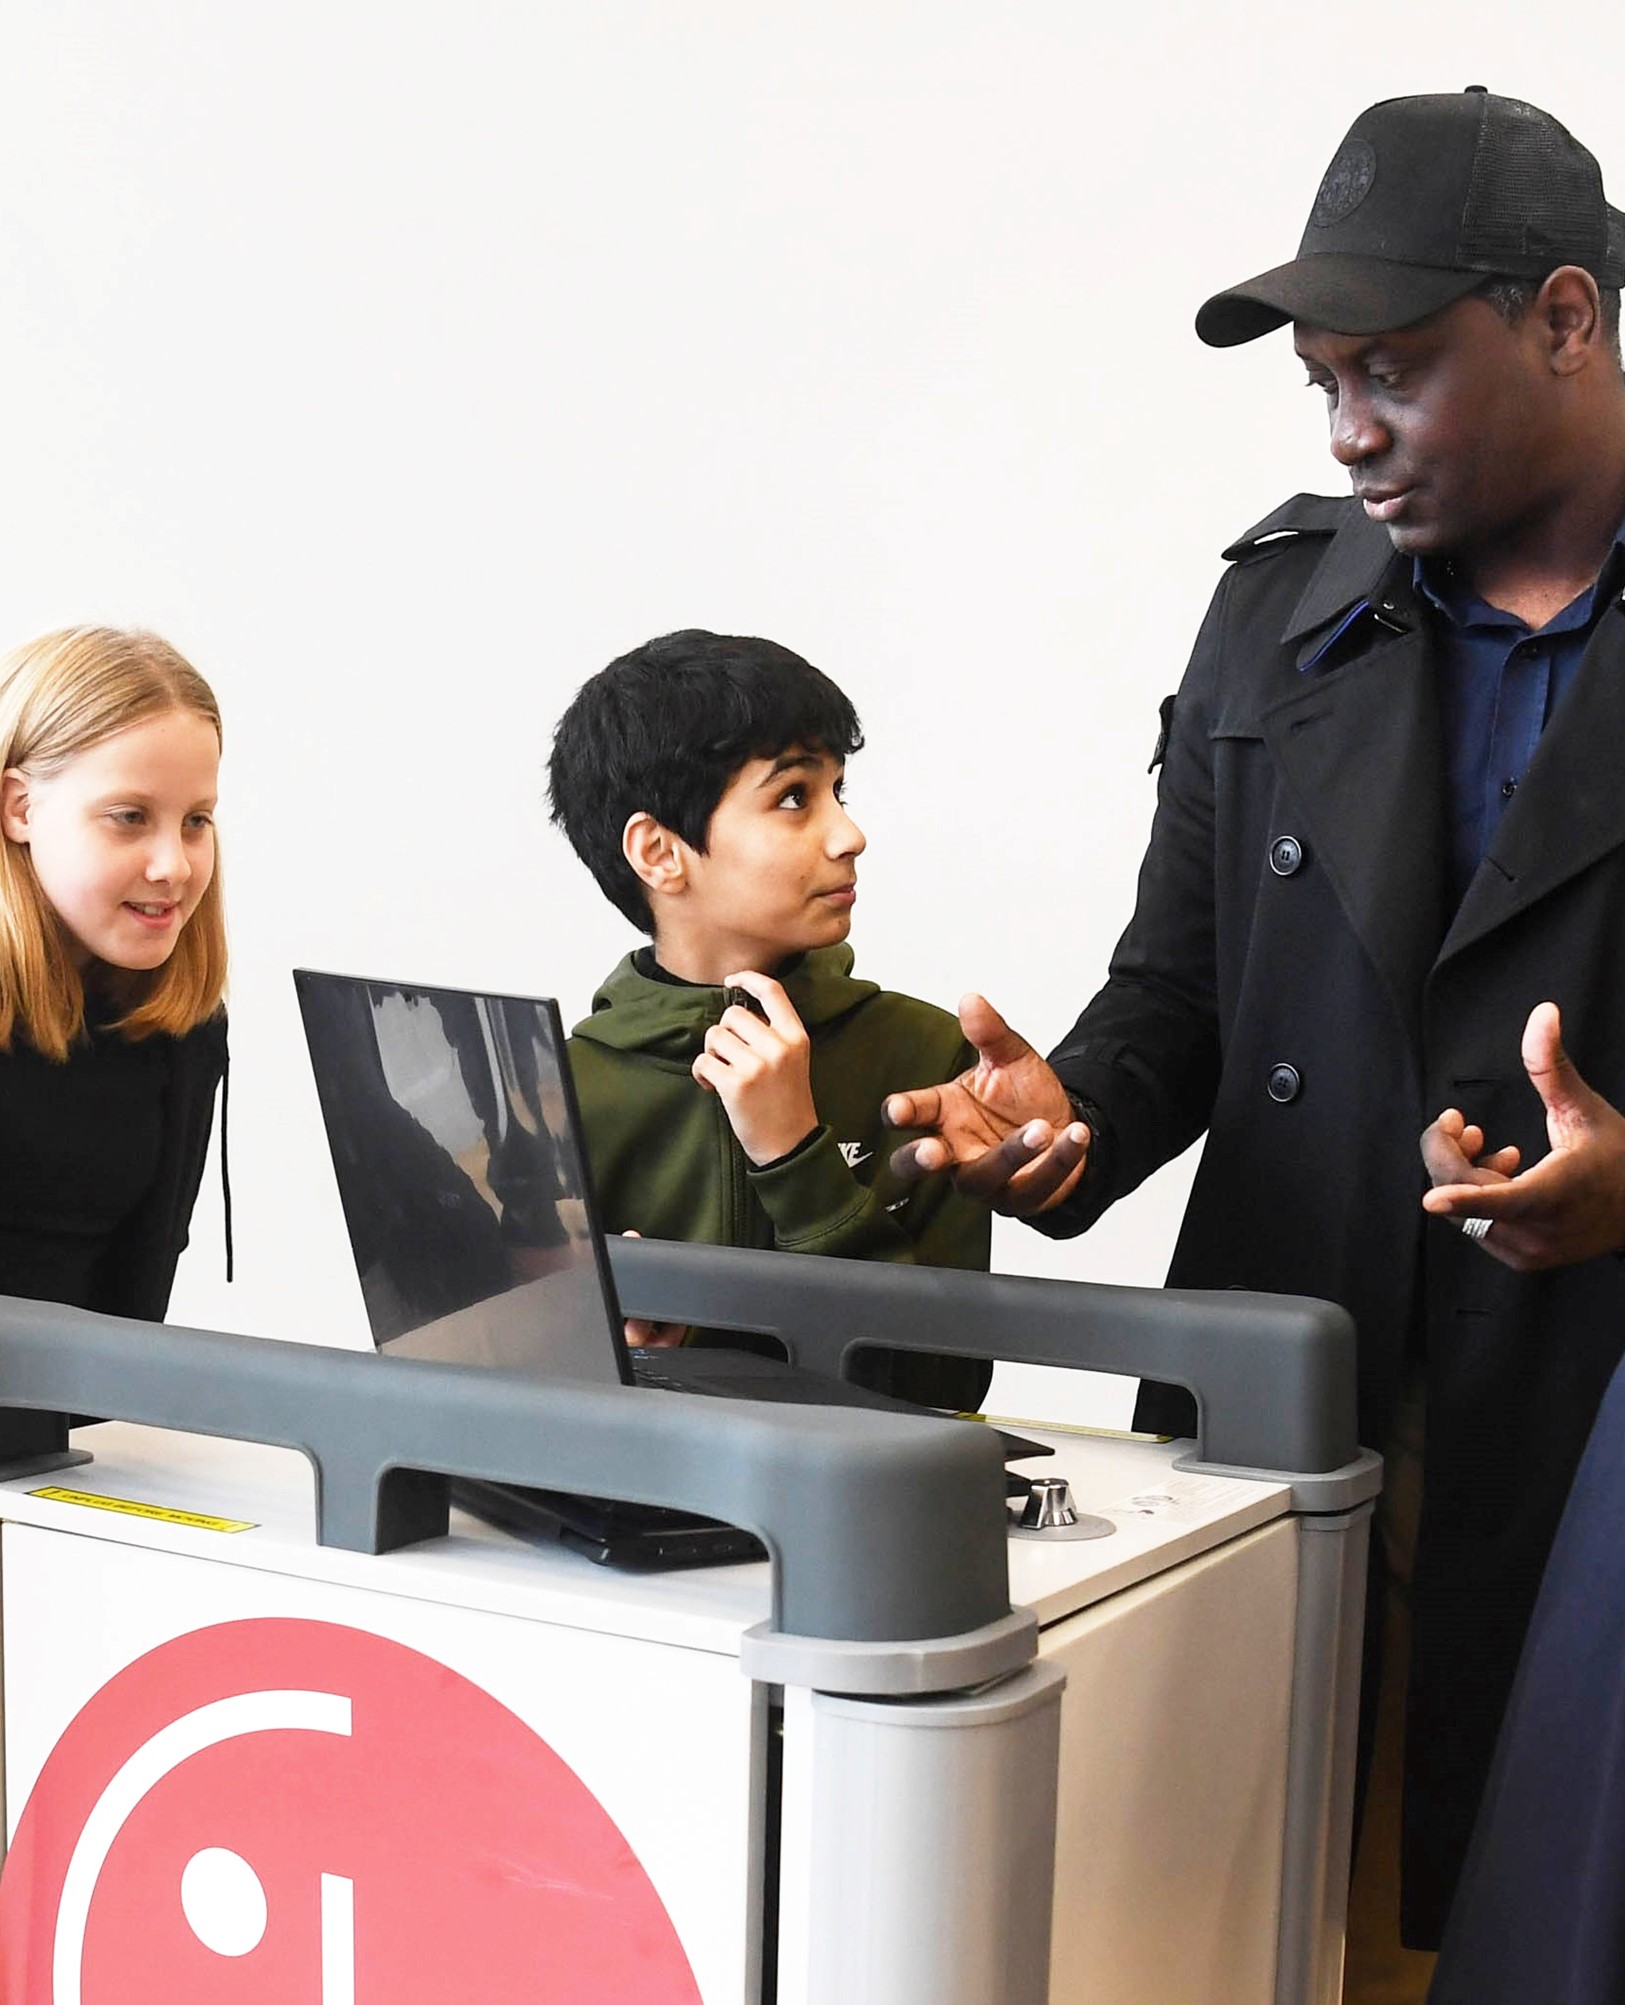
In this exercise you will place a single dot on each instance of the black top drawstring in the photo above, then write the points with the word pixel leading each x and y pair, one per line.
pixel 225 1154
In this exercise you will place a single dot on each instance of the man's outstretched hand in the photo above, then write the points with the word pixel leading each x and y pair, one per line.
pixel 1569 1206
pixel 1004 1127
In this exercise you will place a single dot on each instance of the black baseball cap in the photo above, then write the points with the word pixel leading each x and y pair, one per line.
pixel 1425 199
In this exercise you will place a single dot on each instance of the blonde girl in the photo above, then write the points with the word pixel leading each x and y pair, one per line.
pixel 112 965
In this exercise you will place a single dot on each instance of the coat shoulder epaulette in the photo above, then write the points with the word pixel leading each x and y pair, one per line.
pixel 1317 515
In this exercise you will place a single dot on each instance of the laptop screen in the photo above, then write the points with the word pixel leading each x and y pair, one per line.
pixel 455 1140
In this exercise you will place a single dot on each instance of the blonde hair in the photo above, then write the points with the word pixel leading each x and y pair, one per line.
pixel 60 695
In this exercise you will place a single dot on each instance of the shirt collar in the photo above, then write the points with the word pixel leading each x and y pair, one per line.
pixel 1435 582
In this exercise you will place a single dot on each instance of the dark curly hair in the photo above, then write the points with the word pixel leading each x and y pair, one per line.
pixel 662 731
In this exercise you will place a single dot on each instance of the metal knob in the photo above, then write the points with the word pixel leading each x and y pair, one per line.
pixel 1049 1505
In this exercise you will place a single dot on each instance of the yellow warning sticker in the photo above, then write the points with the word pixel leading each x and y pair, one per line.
pixel 127 1507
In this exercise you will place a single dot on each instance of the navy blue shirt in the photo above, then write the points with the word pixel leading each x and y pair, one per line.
pixel 1499 683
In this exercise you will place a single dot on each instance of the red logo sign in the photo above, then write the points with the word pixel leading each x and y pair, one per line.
pixel 293 1813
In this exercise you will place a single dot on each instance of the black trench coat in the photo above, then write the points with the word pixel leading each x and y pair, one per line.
pixel 1294 982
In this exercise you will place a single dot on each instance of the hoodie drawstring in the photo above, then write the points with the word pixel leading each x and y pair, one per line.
pixel 225 1154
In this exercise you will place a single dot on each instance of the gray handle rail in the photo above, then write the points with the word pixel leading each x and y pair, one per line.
pixel 1273 1375
pixel 881 1527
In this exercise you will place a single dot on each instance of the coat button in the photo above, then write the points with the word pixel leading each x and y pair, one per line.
pixel 1286 853
pixel 1284 1083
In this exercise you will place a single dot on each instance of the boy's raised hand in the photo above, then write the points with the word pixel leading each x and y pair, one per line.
pixel 760 1069
pixel 1004 1127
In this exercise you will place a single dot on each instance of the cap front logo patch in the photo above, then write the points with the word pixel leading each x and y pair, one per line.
pixel 1346 184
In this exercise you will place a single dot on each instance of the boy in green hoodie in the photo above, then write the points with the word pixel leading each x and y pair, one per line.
pixel 732 1073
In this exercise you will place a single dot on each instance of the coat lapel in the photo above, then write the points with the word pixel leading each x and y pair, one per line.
pixel 1360 748
pixel 1570 809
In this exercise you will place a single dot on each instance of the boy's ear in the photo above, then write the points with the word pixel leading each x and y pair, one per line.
pixel 14 804
pixel 655 854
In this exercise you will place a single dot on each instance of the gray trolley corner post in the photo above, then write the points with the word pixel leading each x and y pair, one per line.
pixel 890 1592
pixel 1274 1382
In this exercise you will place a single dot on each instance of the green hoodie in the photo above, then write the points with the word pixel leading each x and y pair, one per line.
pixel 665 1161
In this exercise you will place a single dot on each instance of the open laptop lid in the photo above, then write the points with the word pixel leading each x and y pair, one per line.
pixel 456 1143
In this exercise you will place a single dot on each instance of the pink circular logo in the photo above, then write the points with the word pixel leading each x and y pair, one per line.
pixel 294 1813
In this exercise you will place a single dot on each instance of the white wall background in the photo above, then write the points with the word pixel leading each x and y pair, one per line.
pixel 403 362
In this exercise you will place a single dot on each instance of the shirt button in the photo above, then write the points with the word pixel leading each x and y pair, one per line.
pixel 1286 853
pixel 1284 1084
pixel 1508 789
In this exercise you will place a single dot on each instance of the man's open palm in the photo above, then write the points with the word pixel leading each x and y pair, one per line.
pixel 1004 1127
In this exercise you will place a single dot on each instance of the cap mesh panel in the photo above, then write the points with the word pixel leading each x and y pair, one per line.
pixel 1535 199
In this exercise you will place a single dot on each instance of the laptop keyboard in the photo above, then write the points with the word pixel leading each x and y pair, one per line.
pixel 646 1370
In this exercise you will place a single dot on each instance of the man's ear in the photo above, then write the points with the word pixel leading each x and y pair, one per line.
pixel 1570 314
pixel 657 857
pixel 14 804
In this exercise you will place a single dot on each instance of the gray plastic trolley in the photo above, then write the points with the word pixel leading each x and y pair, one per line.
pixel 910 1759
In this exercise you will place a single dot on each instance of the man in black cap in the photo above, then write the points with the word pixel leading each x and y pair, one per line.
pixel 1386 878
